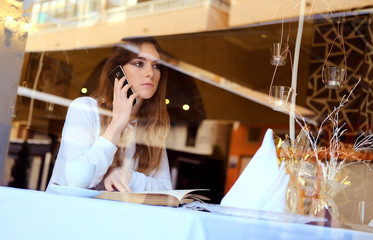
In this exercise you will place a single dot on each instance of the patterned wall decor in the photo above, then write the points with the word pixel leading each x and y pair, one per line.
pixel 358 39
pixel 357 32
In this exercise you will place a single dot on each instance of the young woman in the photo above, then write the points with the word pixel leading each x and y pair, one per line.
pixel 127 145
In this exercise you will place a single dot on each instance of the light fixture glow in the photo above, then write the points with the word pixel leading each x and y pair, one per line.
pixel 263 35
pixel 167 101
pixel 9 18
pixel 84 90
pixel 186 107
pixel 26 27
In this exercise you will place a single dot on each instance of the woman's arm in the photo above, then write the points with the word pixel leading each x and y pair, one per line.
pixel 161 180
pixel 81 142
pixel 128 180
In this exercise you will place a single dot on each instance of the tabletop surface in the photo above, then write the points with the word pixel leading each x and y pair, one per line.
pixel 30 214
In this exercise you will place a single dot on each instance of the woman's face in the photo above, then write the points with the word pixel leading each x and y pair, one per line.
pixel 143 72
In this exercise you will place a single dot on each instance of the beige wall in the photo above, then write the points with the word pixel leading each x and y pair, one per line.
pixel 255 11
pixel 175 22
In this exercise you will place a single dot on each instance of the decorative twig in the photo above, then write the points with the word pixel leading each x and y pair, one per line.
pixel 333 164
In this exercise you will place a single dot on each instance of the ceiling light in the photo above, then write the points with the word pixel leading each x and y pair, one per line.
pixel 186 107
pixel 167 101
pixel 84 90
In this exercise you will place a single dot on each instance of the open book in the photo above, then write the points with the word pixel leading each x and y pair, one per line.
pixel 173 198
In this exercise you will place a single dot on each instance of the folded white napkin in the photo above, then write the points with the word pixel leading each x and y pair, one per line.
pixel 262 185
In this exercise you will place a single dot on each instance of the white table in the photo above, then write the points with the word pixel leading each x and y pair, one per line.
pixel 29 214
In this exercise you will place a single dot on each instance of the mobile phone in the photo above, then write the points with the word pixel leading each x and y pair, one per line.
pixel 118 73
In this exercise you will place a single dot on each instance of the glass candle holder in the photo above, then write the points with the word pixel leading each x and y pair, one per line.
pixel 278 54
pixel 333 77
pixel 280 96
pixel 365 212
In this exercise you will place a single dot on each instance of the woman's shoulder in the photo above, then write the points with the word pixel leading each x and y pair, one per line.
pixel 84 100
pixel 84 104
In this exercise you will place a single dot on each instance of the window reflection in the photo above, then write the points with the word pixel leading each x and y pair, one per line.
pixel 223 76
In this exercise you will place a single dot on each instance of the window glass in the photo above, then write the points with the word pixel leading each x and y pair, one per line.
pixel 221 69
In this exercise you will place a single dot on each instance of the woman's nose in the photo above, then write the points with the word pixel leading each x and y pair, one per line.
pixel 149 70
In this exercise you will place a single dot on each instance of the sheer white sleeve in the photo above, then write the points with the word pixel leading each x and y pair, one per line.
pixel 161 180
pixel 81 142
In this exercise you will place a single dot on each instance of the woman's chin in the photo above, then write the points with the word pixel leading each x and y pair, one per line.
pixel 146 96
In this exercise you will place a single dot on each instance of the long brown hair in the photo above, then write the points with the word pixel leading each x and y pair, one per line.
pixel 153 122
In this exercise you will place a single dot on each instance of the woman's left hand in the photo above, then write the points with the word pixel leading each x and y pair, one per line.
pixel 118 178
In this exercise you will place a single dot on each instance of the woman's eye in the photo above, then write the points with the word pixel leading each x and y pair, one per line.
pixel 139 64
pixel 157 66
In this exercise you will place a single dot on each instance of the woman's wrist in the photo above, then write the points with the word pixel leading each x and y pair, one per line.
pixel 114 131
pixel 129 174
pixel 112 134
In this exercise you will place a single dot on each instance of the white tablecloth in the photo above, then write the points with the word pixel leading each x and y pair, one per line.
pixel 29 214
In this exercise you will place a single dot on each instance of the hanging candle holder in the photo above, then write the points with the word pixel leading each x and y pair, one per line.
pixel 278 54
pixel 280 96
pixel 279 50
pixel 335 77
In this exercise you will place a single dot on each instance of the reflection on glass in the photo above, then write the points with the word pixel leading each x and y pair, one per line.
pixel 243 62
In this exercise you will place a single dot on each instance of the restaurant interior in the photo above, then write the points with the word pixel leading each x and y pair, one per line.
pixel 220 80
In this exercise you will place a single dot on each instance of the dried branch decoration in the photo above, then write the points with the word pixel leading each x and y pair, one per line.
pixel 316 172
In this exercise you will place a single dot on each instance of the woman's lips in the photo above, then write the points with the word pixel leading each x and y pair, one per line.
pixel 147 85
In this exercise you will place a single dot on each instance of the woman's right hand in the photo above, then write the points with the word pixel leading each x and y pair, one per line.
pixel 122 107
pixel 119 179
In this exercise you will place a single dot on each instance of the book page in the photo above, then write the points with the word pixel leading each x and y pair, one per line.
pixel 178 193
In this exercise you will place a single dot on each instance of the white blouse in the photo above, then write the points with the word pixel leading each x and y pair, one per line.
pixel 81 140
